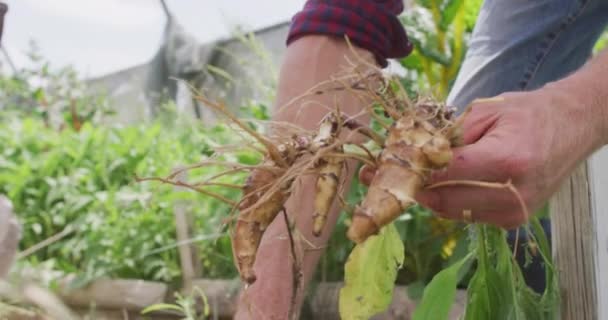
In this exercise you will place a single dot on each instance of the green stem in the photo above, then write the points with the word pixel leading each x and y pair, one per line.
pixel 482 252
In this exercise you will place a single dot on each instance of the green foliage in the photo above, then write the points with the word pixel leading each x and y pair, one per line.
pixel 450 9
pixel 429 244
pixel 184 306
pixel 471 10
pixel 67 174
pixel 85 180
pixel 440 293
pixel 601 43
pixel 497 289
pixel 439 30
pixel 370 274
pixel 57 96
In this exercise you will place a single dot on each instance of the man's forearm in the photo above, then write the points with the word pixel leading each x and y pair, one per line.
pixel 587 91
pixel 308 61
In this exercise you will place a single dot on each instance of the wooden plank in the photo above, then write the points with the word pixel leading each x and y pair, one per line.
pixel 115 314
pixel 115 294
pixel 222 295
pixel 598 174
pixel 321 303
pixel 8 312
pixel 188 255
pixel 573 237
pixel 9 235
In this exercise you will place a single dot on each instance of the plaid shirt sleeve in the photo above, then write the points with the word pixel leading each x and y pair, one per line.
pixel 370 24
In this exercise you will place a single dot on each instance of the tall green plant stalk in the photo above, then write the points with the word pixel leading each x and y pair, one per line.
pixel 438 30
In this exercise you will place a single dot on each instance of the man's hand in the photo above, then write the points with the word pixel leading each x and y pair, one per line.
pixel 535 139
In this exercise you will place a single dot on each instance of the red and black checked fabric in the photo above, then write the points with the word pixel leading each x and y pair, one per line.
pixel 370 24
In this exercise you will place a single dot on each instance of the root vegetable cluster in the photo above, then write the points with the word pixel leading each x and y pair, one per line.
pixel 414 139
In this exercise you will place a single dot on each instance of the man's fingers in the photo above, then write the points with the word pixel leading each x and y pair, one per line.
pixel 451 201
pixel 495 206
pixel 481 119
pixel 479 161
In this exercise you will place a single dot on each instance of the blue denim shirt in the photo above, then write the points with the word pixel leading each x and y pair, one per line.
pixel 523 44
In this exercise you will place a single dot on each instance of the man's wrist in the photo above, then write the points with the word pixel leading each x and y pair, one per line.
pixel 590 90
pixel 586 97
pixel 590 95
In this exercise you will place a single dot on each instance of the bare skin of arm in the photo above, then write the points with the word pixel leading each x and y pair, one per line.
pixel 536 139
pixel 308 61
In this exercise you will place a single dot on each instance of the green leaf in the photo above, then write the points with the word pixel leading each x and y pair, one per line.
pixel 370 274
pixel 415 290
pixel 425 3
pixel 220 72
pixel 161 307
pixel 413 61
pixel 439 295
pixel 38 94
pixel 429 50
pixel 449 12
pixel 472 8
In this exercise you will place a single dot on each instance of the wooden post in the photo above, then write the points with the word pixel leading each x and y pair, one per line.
pixel 579 212
pixel 598 172
pixel 188 256
pixel 10 232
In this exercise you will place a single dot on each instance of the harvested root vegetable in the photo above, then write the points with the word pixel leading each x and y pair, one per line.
pixel 418 142
pixel 326 190
pixel 254 219
pixel 265 192
pixel 330 170
pixel 264 196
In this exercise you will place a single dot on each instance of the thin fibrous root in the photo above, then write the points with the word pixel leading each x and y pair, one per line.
pixel 296 269
pixel 349 155
pixel 189 186
pixel 218 184
pixel 235 166
pixel 355 125
pixel 272 149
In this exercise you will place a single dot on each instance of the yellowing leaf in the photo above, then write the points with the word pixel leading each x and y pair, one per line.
pixel 370 274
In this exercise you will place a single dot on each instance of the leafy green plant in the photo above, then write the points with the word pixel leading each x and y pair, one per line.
pixel 84 180
pixel 439 31
pixel 184 306
pixel 439 295
pixel 57 96
pixel 497 289
pixel 601 43
pixel 368 289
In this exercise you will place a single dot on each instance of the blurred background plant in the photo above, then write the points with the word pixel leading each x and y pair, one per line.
pixel 56 96
pixel 439 30
pixel 185 306
pixel 76 178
